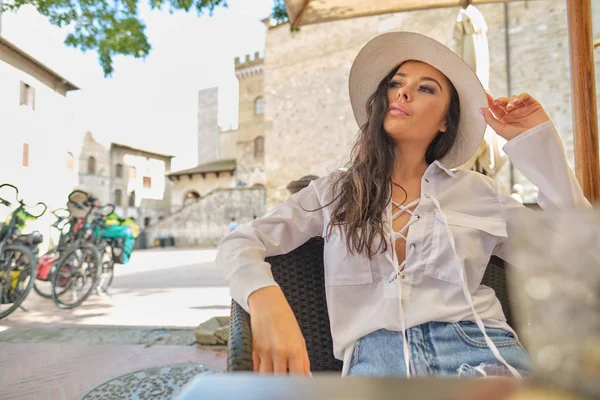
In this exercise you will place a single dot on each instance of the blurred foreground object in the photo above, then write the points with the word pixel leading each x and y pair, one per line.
pixel 556 290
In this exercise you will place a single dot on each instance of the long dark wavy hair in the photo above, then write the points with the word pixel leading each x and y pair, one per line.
pixel 364 188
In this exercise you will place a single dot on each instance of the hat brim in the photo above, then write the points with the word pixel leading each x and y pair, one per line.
pixel 377 59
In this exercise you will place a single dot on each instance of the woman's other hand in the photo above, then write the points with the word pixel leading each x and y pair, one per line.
pixel 509 117
pixel 277 342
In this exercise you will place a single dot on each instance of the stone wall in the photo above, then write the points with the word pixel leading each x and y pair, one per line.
pixel 208 126
pixel 228 144
pixel 539 51
pixel 250 74
pixel 206 222
pixel 311 127
pixel 183 185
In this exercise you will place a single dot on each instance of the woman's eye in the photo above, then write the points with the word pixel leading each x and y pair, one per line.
pixel 426 89
pixel 395 84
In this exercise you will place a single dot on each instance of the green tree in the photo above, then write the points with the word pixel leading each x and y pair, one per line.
pixel 114 27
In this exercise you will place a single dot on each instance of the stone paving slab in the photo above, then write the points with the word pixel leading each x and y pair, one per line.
pixel 98 335
pixel 60 371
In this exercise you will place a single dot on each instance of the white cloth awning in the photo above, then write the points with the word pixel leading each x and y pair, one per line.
pixel 304 12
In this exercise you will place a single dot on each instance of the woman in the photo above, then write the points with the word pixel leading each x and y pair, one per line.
pixel 407 237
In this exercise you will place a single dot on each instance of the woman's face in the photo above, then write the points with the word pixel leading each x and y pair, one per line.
pixel 418 99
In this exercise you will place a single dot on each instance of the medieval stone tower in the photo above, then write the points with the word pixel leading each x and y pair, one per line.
pixel 208 126
pixel 250 146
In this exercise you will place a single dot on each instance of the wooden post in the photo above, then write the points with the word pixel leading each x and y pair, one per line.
pixel 585 121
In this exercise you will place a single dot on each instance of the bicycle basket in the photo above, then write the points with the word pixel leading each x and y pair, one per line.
pixel 80 198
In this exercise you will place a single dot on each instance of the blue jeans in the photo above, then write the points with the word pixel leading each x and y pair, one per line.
pixel 438 348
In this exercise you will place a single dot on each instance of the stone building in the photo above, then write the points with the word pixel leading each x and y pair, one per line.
pixel 227 158
pixel 130 178
pixel 309 123
pixel 295 118
pixel 34 112
pixel 229 180
pixel 250 141
pixel 94 168
pixel 190 185
pixel 138 185
pixel 212 172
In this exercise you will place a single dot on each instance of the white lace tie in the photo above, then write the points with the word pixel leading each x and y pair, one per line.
pixel 442 217
pixel 399 268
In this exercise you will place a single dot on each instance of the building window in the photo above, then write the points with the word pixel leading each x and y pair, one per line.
pixel 27 95
pixel 25 154
pixel 147 182
pixel 118 197
pixel 133 172
pixel 119 170
pixel 91 165
pixel 259 106
pixel 132 199
pixel 259 147
pixel 146 222
pixel 70 161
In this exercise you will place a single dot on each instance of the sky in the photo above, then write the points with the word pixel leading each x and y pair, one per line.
pixel 152 103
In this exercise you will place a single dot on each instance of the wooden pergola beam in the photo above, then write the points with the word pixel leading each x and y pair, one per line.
pixel 585 120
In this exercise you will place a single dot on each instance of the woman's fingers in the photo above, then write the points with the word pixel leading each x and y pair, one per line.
pixel 492 121
pixel 297 365
pixel 280 365
pixel 497 110
pixel 266 365
pixel 514 102
pixel 307 364
pixel 269 364
pixel 255 362
pixel 501 102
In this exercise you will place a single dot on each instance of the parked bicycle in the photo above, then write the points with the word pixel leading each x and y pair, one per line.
pixel 107 245
pixel 115 239
pixel 77 271
pixel 64 224
pixel 18 254
pixel 84 222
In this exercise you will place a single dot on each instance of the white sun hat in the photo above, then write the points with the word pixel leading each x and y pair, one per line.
pixel 387 51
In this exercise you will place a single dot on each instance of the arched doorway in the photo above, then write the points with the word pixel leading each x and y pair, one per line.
pixel 191 197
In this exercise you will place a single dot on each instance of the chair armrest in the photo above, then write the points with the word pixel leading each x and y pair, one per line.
pixel 498 261
pixel 239 357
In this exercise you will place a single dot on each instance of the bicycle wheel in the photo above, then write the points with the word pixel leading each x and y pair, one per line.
pixel 17 273
pixel 76 275
pixel 108 272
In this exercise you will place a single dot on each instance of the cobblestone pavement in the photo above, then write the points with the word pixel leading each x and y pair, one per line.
pixel 155 303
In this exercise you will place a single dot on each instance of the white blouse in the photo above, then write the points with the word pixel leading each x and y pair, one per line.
pixel 459 223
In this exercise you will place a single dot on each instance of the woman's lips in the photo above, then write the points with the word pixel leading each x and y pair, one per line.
pixel 397 110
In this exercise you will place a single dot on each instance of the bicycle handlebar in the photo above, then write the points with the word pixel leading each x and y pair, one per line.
pixel 106 214
pixel 37 204
pixel 6 202
pixel 61 209
pixel 21 202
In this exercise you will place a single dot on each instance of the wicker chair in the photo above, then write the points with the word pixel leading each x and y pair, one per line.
pixel 300 274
